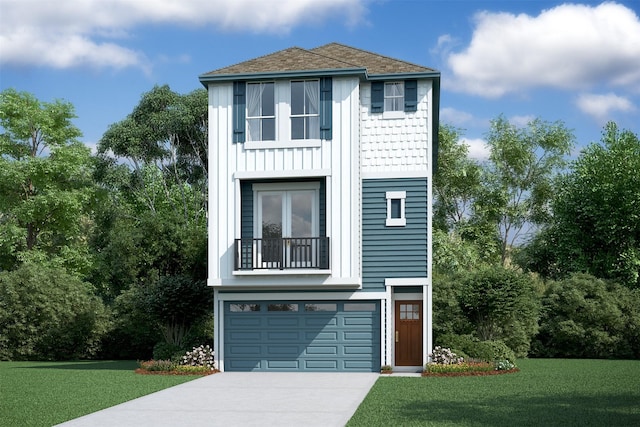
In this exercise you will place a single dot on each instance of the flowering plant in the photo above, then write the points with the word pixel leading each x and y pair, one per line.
pixel 504 365
pixel 199 356
pixel 444 356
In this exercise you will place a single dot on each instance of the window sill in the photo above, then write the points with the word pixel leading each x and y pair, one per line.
pixel 289 272
pixel 393 115
pixel 300 143
pixel 396 222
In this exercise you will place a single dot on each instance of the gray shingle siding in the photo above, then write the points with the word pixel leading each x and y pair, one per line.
pixel 393 251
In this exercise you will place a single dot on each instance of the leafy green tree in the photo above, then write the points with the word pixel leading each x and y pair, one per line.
pixel 46 313
pixel 461 241
pixel 456 182
pixel 153 174
pixel 587 317
pixel 45 182
pixel 501 304
pixel 517 181
pixel 596 226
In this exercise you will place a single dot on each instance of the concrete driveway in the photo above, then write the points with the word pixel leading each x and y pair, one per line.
pixel 244 399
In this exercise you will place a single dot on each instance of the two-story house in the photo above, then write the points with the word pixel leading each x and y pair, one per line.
pixel 320 201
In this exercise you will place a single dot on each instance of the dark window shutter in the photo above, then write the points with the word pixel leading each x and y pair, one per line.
pixel 377 97
pixel 239 107
pixel 326 88
pixel 410 95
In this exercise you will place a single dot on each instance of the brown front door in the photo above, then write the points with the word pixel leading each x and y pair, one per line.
pixel 408 334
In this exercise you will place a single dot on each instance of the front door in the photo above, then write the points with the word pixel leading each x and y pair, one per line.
pixel 408 333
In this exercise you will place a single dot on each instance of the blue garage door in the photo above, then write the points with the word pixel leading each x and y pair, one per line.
pixel 302 336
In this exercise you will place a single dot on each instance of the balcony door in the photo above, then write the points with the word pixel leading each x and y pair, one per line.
pixel 286 225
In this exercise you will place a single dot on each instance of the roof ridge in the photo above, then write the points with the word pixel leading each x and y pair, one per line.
pixel 371 53
pixel 258 57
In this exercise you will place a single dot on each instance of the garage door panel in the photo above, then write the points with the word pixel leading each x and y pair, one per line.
pixel 244 350
pixel 247 320
pixel 245 336
pixel 314 321
pixel 288 365
pixel 359 336
pixel 283 336
pixel 321 336
pixel 283 350
pixel 327 350
pixel 336 340
pixel 321 365
pixel 283 322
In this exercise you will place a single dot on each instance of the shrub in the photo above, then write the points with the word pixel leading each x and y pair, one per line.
pixel 503 305
pixel 202 356
pixel 157 365
pixel 164 350
pixel 444 356
pixel 589 318
pixel 470 347
pixel 48 314
pixel 504 365
pixel 459 367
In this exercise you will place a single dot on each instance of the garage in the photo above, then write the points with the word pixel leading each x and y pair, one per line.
pixel 302 336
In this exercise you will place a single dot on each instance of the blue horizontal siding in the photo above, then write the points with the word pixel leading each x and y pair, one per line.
pixel 393 251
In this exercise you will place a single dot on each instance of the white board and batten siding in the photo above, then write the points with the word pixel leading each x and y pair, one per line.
pixel 337 160
pixel 396 145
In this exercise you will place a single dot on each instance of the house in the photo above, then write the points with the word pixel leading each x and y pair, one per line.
pixel 320 210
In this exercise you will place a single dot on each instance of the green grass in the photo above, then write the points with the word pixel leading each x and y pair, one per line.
pixel 546 392
pixel 48 393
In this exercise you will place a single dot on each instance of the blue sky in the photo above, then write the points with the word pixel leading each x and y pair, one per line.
pixel 574 62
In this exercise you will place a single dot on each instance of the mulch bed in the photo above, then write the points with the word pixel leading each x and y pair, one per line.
pixel 469 374
pixel 145 372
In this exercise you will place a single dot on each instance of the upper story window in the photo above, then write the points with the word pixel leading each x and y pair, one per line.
pixel 261 112
pixel 285 113
pixel 305 109
pixel 393 96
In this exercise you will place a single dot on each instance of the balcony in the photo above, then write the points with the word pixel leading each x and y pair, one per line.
pixel 281 253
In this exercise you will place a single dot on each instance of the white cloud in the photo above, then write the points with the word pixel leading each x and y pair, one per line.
pixel 521 121
pixel 570 46
pixel 478 148
pixel 601 106
pixel 455 117
pixel 70 33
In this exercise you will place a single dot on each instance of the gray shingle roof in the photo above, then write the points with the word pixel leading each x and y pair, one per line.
pixel 333 56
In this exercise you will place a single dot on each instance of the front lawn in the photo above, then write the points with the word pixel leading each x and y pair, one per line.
pixel 546 392
pixel 48 393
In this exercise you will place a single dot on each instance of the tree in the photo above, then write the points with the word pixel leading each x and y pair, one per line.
pixel 153 174
pixel 501 304
pixel 596 226
pixel 45 182
pixel 518 179
pixel 456 182
pixel 461 241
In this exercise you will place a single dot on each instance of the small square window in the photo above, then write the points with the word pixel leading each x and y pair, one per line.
pixel 396 208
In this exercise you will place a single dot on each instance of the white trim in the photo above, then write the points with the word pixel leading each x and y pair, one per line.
pixel 288 272
pixel 310 173
pixel 395 174
pixel 289 296
pixel 274 281
pixel 285 186
pixel 406 281
pixel 297 143
pixel 393 115
pixel 402 220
